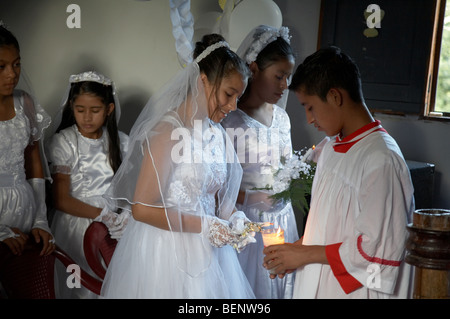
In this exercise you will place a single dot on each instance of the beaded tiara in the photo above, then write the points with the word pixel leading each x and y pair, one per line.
pixel 90 76
pixel 210 49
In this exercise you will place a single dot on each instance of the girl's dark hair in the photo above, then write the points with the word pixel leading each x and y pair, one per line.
pixel 221 63
pixel 7 38
pixel 275 51
pixel 326 69
pixel 105 93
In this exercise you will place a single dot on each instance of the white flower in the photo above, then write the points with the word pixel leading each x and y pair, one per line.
pixel 293 180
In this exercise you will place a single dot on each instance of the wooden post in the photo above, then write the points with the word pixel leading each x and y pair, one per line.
pixel 428 249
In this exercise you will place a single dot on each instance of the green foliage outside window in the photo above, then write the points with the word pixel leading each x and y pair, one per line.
pixel 443 84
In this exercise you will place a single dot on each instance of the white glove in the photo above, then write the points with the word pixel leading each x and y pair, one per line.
pixel 238 221
pixel 40 221
pixel 239 226
pixel 219 232
pixel 116 223
pixel 120 223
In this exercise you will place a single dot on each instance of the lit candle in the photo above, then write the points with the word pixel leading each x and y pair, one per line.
pixel 308 153
pixel 272 236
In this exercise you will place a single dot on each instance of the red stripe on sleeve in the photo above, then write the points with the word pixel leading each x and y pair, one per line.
pixel 372 259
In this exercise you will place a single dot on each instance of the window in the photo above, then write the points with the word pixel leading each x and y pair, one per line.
pixel 394 59
pixel 437 104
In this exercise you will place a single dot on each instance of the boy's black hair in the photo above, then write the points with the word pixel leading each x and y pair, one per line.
pixel 326 69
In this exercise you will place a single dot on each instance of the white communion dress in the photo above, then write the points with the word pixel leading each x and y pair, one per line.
pixel 259 149
pixel 86 161
pixel 17 202
pixel 150 262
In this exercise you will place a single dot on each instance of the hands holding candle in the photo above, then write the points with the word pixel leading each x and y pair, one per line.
pixel 272 236
pixel 286 258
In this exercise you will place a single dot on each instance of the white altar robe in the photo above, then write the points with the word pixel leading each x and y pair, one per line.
pixel 362 200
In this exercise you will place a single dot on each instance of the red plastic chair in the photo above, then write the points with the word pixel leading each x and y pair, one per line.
pixel 30 276
pixel 98 248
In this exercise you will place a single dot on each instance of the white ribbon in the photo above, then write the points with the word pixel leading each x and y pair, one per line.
pixel 182 28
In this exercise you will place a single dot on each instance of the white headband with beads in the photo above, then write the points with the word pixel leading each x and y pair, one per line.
pixel 210 49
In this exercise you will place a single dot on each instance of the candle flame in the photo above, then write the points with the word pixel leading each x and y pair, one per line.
pixel 279 231
pixel 313 147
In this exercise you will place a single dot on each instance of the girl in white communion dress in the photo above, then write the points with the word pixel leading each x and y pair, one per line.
pixel 85 152
pixel 23 212
pixel 180 182
pixel 261 130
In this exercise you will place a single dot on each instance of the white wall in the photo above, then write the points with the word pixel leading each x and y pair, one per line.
pixel 131 41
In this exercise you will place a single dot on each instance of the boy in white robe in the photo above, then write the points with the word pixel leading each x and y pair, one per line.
pixel 362 196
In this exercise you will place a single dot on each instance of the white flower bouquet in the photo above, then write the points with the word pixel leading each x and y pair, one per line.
pixel 293 181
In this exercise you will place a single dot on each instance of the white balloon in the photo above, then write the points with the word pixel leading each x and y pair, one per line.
pixel 249 14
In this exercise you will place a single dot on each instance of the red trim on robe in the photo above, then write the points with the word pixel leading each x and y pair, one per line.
pixel 348 282
pixel 342 146
pixel 376 260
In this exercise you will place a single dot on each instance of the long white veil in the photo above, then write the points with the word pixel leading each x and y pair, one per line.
pixel 169 165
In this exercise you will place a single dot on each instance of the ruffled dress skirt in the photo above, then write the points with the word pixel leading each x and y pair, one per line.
pixel 145 266
pixel 69 231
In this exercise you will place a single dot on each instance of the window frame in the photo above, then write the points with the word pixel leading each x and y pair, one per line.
pixel 428 112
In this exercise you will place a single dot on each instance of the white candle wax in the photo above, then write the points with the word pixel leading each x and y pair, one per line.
pixel 272 237
pixel 305 157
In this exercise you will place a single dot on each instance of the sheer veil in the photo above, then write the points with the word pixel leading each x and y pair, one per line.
pixel 40 120
pixel 173 149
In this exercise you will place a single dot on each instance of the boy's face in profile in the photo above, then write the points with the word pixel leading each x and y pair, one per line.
pixel 325 115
